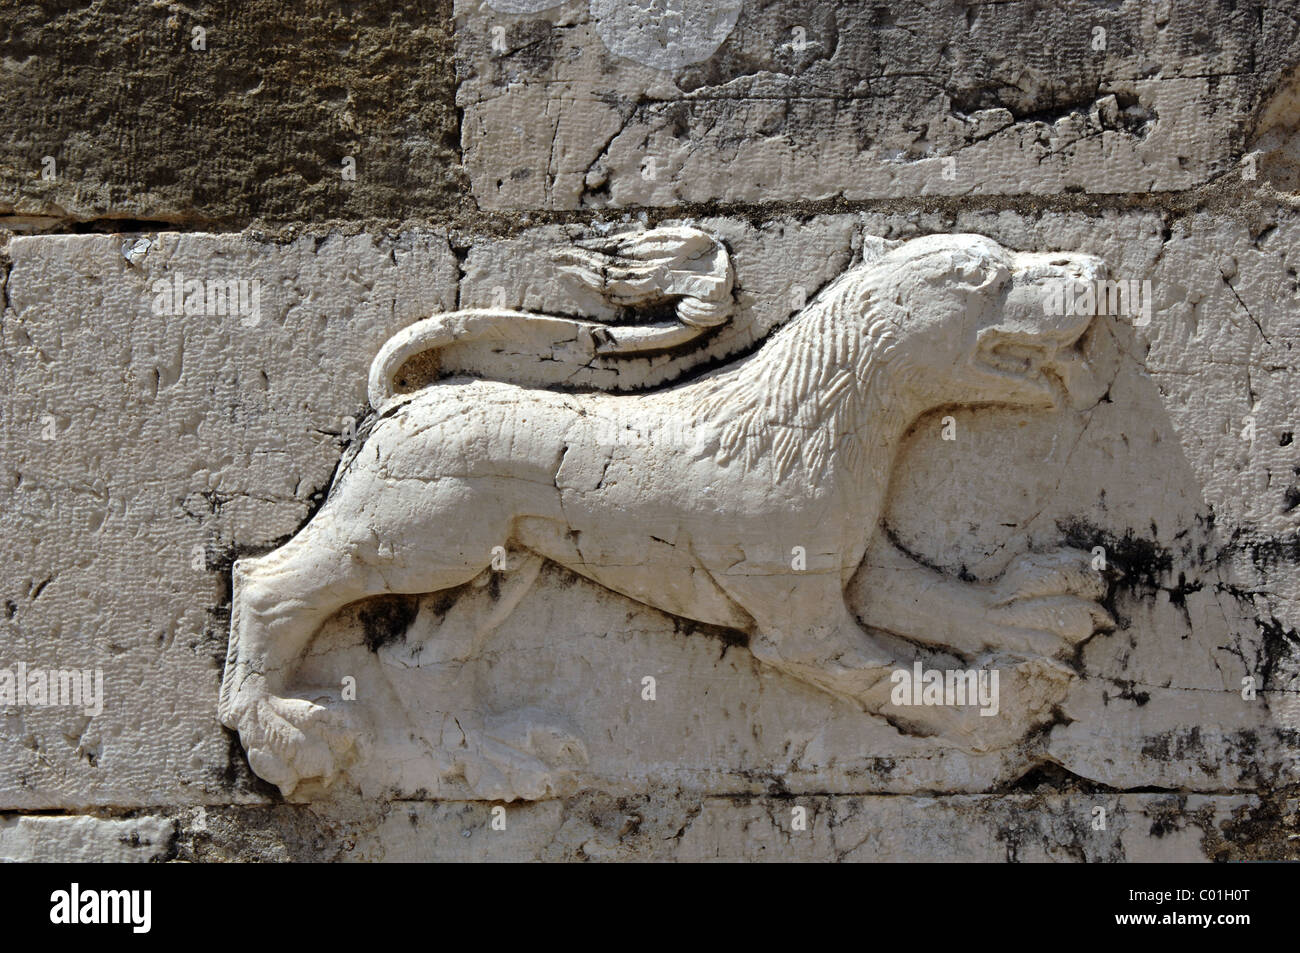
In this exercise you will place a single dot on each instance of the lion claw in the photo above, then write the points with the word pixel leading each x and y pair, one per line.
pixel 1048 602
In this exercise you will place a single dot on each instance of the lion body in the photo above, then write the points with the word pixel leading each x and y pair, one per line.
pixel 634 492
pixel 745 499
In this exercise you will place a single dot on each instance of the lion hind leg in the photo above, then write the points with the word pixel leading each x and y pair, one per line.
pixel 276 609
pixel 805 629
pixel 280 600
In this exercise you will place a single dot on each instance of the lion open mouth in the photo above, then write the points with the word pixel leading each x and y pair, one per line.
pixel 1051 362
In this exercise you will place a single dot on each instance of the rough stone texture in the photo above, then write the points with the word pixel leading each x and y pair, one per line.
pixel 142 126
pixel 169 434
pixel 661 825
pixel 141 454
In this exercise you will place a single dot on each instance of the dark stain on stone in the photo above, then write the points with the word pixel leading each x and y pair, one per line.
pixel 1174 745
pixel 1267 830
pixel 1127 692
pixel 531 45
pixel 1133 563
pixel 236 777
pixel 205 503
pixel 1141 561
pixel 1178 594
pixel 1279 643
pixel 1267 553
pixel 386 618
pixel 1162 825
pixel 440 603
pixel 730 638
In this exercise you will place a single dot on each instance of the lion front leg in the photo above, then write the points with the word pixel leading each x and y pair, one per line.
pixel 1044 605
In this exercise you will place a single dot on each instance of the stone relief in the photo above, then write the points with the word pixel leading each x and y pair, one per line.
pixel 747 498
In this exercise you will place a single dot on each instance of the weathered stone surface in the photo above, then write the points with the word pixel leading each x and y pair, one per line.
pixel 859 101
pixel 175 443
pixel 1275 141
pixel 662 825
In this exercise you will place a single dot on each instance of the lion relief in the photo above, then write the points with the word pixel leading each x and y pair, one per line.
pixel 689 498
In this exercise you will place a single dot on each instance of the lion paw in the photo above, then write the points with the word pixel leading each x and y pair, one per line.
pixel 290 740
pixel 1047 603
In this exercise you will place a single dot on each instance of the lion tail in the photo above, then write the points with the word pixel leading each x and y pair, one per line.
pixel 427 337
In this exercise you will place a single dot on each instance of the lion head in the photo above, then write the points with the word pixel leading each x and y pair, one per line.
pixel 978 321
pixel 944 319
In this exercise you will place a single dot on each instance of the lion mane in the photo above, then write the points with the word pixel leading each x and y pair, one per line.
pixel 795 398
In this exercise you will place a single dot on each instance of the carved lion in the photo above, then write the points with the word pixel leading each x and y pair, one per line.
pixel 692 498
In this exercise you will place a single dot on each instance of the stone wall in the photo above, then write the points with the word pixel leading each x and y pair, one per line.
pixel 354 170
